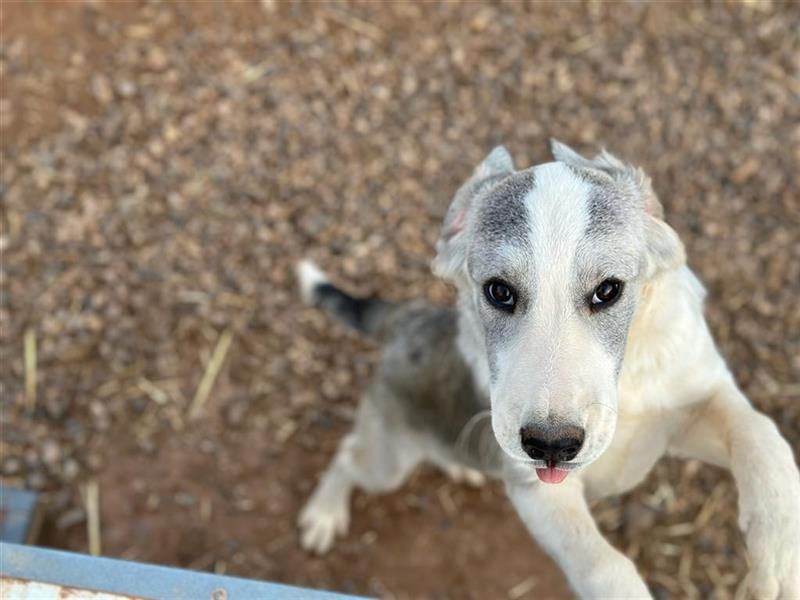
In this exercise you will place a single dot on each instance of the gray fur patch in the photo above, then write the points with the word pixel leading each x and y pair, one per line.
pixel 610 326
pixel 608 208
pixel 479 186
pixel 498 331
pixel 430 387
pixel 606 211
pixel 503 221
pixel 503 213
pixel 611 250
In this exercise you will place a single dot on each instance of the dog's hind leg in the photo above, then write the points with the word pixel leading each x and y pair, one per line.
pixel 376 456
pixel 327 512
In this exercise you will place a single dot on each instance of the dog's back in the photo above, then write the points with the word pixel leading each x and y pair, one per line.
pixel 422 381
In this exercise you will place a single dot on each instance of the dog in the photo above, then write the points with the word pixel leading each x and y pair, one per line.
pixel 577 355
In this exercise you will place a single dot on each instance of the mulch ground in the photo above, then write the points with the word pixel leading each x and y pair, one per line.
pixel 164 165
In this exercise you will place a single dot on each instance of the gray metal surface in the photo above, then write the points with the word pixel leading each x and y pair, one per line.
pixel 18 522
pixel 23 570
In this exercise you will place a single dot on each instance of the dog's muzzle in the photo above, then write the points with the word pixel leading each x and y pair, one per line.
pixel 553 446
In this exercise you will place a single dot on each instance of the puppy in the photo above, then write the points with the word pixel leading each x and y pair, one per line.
pixel 576 357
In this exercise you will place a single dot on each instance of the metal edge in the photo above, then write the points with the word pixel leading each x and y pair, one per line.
pixel 129 578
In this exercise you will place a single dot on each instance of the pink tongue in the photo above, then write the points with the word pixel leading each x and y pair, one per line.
pixel 552 475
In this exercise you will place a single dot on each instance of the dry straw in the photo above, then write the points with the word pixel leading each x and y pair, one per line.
pixel 30 368
pixel 210 376
pixel 91 498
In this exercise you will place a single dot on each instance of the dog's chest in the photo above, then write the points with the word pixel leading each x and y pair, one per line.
pixel 639 441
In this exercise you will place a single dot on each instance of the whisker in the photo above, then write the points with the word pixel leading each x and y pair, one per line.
pixel 604 405
pixel 466 431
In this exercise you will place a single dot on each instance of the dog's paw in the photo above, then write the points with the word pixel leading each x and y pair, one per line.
pixel 773 543
pixel 320 524
pixel 461 474
pixel 775 565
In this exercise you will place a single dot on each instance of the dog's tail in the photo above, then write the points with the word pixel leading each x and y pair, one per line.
pixel 367 315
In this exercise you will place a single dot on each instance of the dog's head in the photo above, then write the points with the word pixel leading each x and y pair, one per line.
pixel 550 263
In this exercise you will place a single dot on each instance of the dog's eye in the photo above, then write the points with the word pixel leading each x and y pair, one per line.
pixel 500 295
pixel 606 293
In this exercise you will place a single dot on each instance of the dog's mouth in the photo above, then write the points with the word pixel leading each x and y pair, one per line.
pixel 553 471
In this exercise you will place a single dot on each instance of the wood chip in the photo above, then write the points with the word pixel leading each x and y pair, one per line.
pixel 522 588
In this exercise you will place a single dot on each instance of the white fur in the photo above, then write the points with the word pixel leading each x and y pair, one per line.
pixel 309 276
pixel 538 376
pixel 676 396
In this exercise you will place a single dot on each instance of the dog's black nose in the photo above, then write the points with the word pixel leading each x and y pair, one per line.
pixel 552 445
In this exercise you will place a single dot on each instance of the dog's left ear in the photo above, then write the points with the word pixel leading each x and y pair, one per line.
pixel 663 248
pixel 452 246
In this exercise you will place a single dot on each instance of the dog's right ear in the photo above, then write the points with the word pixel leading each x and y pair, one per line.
pixel 663 250
pixel 452 245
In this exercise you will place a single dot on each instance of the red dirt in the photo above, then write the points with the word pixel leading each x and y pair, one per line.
pixel 164 164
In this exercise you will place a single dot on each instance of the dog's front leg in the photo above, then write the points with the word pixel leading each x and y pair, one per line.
pixel 559 519
pixel 727 431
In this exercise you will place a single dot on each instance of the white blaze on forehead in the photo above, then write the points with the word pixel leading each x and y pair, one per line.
pixel 558 214
pixel 532 381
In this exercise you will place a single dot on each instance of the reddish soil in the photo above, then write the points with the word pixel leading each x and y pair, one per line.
pixel 164 165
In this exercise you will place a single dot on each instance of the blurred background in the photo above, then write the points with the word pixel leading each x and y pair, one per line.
pixel 164 164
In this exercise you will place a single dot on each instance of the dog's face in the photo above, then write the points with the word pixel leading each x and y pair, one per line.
pixel 550 263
